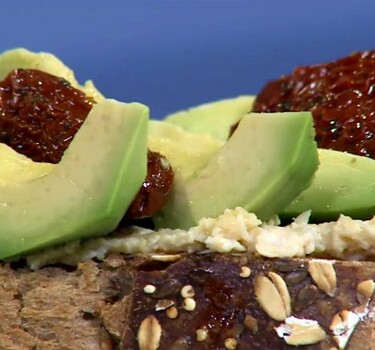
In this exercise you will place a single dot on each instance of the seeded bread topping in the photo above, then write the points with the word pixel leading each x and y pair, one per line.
pixel 276 312
pixel 340 95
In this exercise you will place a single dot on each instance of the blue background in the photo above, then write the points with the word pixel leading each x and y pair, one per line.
pixel 178 53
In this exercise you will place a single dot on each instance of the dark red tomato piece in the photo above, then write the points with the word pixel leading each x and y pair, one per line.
pixel 153 193
pixel 40 114
pixel 340 95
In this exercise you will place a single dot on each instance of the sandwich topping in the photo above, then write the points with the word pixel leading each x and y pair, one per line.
pixel 41 113
pixel 39 116
pixel 235 231
pixel 340 95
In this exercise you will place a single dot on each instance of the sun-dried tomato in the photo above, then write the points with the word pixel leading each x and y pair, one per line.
pixel 40 113
pixel 153 193
pixel 340 95
pixel 39 116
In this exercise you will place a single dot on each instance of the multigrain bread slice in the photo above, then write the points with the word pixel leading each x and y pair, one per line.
pixel 64 308
pixel 205 301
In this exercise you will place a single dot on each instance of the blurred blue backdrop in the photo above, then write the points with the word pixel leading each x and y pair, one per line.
pixel 178 53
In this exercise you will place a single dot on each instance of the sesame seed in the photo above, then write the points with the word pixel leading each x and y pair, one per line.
pixel 202 334
pixel 187 291
pixel 189 304
pixel 149 289
pixel 230 343
pixel 172 312
pixel 245 272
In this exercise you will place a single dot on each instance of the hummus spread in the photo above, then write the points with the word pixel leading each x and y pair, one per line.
pixel 235 231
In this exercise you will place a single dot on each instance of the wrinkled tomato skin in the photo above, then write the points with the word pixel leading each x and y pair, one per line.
pixel 40 114
pixel 340 95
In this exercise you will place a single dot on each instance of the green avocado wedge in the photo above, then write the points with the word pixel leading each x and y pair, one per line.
pixel 187 152
pixel 214 118
pixel 88 191
pixel 343 184
pixel 267 162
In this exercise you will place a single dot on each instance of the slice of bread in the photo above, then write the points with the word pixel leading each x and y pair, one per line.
pixel 205 301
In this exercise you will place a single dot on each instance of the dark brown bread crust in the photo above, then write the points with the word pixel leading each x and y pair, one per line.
pixel 104 305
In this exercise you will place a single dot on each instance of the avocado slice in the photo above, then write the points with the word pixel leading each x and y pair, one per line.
pixel 267 162
pixel 45 62
pixel 214 118
pixel 344 184
pixel 187 152
pixel 16 168
pixel 88 191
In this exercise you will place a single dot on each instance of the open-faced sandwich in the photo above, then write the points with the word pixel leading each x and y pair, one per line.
pixel 245 223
